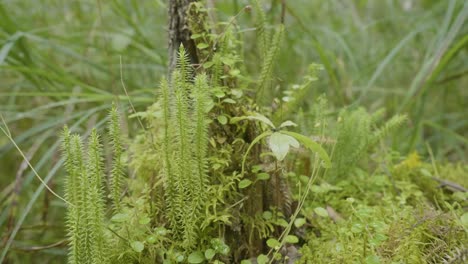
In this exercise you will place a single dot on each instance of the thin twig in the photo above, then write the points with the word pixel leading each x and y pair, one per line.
pixel 7 132
pixel 126 93
pixel 38 248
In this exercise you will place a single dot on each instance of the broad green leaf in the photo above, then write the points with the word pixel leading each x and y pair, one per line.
pixel 273 243
pixel 202 45
pixel 244 183
pixel 312 146
pixel 246 261
pixel 299 222
pixel 209 253
pixel 222 119
pixel 321 211
pixel 196 257
pixel 279 144
pixel 263 176
pixel 291 239
pixel 262 259
pixel 137 246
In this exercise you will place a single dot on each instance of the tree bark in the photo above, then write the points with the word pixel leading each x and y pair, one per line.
pixel 179 32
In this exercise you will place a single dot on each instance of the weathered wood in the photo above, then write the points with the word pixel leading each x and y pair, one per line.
pixel 179 32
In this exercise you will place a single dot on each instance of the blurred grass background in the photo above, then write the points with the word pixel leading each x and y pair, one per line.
pixel 61 62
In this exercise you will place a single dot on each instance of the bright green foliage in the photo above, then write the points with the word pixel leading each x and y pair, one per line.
pixel 207 189
pixel 382 219
pixel 84 190
pixel 268 63
pixel 268 48
pixel 117 172
pixel 201 100
pixel 96 206
pixel 355 135
pixel 185 149
pixel 262 31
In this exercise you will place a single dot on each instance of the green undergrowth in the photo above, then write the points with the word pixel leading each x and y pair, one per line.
pixel 396 214
pixel 250 156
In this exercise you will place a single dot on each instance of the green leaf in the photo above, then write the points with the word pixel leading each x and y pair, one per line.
pixel 321 212
pixel 263 176
pixel 464 219
pixel 291 239
pixel 229 101
pixel 196 257
pixel 202 45
pixel 144 220
pixel 246 261
pixel 234 72
pixel 137 246
pixel 151 239
pixel 312 146
pixel 236 93
pixel 120 218
pixel 195 36
pixel 262 259
pixel 244 183
pixel 222 119
pixel 299 222
pixel 208 64
pixel 287 123
pixel 160 231
pixel 267 215
pixel 282 222
pixel 180 257
pixel 210 253
pixel 254 116
pixel 273 243
pixel 219 93
pixel 279 144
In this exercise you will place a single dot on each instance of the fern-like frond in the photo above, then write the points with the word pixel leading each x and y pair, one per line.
pixel 117 172
pixel 70 166
pixel 385 129
pixel 184 182
pixel 81 238
pixel 263 34
pixel 95 203
pixel 353 134
pixel 183 64
pixel 201 129
pixel 85 219
pixel 268 62
pixel 167 149
pixel 72 190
